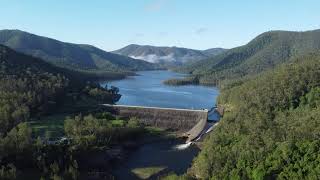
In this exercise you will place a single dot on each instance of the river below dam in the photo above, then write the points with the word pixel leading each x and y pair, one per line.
pixel 147 89
pixel 163 155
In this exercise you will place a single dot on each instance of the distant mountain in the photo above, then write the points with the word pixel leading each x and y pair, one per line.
pixel 167 55
pixel 213 51
pixel 266 51
pixel 75 56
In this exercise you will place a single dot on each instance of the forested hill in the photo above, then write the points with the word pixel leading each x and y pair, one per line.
pixel 266 51
pixel 167 55
pixel 75 56
pixel 271 128
pixel 31 87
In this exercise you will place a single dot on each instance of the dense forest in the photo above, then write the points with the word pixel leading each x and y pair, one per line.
pixel 270 129
pixel 83 153
pixel 31 88
pixel 265 52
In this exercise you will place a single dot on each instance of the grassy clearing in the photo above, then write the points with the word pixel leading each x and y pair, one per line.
pixel 118 123
pixel 147 172
pixel 49 126
pixel 154 130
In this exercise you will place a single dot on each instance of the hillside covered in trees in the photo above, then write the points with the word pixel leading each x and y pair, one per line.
pixel 74 56
pixel 270 129
pixel 32 87
pixel 266 51
pixel 90 141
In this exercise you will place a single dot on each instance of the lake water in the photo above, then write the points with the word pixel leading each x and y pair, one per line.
pixel 147 89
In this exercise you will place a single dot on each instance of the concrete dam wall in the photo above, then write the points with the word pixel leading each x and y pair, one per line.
pixel 188 122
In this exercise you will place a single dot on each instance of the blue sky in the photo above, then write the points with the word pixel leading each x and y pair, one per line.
pixel 198 24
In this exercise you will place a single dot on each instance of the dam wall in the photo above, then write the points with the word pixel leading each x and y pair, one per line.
pixel 186 121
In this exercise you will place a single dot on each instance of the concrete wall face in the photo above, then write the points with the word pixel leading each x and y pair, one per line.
pixel 173 119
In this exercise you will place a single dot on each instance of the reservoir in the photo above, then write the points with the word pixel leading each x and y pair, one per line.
pixel 147 89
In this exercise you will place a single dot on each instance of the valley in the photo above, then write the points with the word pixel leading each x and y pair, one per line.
pixel 160 89
pixel 62 113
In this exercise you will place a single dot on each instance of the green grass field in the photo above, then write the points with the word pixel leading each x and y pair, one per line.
pixel 147 172
pixel 118 123
pixel 48 126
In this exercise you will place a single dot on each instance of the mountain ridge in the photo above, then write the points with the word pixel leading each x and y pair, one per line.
pixel 167 55
pixel 65 54
pixel 264 52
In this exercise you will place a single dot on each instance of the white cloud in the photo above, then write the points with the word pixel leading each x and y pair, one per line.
pixel 201 30
pixel 153 58
pixel 156 5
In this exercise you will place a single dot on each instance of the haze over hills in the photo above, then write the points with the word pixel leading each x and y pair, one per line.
pixel 167 55
pixel 266 51
pixel 75 56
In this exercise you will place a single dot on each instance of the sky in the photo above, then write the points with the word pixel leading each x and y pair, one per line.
pixel 196 24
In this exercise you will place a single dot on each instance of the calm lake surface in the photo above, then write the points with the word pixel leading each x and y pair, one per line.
pixel 148 89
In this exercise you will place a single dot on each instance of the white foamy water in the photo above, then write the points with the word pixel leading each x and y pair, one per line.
pixel 211 128
pixel 182 146
pixel 186 145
